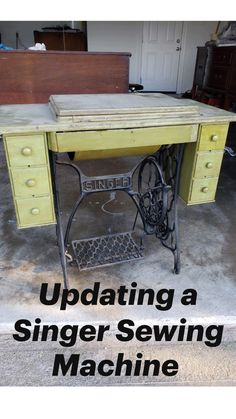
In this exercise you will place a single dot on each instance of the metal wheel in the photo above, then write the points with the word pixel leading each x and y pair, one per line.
pixel 152 191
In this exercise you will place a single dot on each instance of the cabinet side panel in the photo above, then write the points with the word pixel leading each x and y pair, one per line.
pixel 187 169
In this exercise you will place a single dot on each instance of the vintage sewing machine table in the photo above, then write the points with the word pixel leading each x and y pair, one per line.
pixel 110 125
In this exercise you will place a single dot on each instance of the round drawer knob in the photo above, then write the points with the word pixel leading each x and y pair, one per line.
pixel 35 211
pixel 30 183
pixel 214 137
pixel 209 165
pixel 26 151
pixel 205 189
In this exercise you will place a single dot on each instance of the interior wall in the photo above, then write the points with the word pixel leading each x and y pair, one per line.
pixel 25 30
pixel 195 34
pixel 127 37
pixel 120 37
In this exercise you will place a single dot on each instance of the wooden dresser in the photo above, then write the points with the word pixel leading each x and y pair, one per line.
pixel 215 75
pixel 62 40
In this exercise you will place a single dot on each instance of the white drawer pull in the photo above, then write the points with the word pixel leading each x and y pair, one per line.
pixel 26 151
pixel 35 211
pixel 30 183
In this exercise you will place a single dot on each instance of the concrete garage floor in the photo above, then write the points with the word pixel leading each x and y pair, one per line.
pixel 30 257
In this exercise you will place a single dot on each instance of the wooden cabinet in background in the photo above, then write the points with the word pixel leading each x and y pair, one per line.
pixel 32 76
pixel 62 40
pixel 215 75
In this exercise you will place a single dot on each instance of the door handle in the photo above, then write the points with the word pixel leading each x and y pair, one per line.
pixel 178 48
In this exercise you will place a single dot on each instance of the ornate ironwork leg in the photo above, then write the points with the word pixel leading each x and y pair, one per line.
pixel 171 162
pixel 59 229
pixel 76 205
pixel 157 187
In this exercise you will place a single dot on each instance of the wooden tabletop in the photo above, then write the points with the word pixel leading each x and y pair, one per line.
pixel 119 104
pixel 130 110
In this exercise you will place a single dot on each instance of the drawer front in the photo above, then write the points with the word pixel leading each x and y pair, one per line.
pixel 33 212
pixel 30 181
pixel 221 56
pixel 213 137
pixel 26 150
pixel 118 139
pixel 218 78
pixel 203 190
pixel 208 164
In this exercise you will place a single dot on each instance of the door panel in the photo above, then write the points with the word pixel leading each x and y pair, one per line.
pixel 160 55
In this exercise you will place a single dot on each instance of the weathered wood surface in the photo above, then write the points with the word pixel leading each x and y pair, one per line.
pixel 139 104
pixel 39 117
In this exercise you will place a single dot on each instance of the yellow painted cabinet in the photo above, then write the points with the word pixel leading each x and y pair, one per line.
pixel 201 164
pixel 27 158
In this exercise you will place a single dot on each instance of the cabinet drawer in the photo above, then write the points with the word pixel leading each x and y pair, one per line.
pixel 208 164
pixel 117 139
pixel 33 212
pixel 221 56
pixel 26 150
pixel 218 78
pixel 203 190
pixel 213 137
pixel 30 181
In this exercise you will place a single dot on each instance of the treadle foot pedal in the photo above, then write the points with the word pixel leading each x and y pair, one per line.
pixel 106 250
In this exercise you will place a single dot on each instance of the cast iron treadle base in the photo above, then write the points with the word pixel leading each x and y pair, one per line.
pixel 106 250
